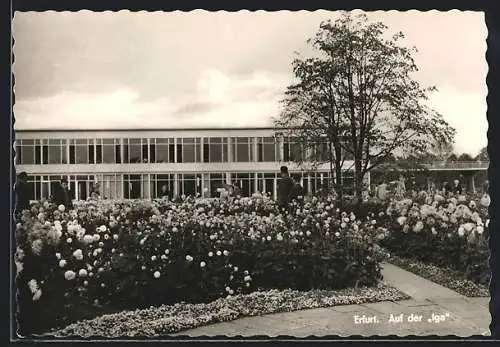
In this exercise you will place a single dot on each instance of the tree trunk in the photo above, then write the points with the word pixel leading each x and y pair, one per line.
pixel 358 181
pixel 338 183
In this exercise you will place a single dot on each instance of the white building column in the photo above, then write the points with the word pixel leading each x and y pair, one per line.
pixel 309 185
pixel 120 182
pixel 229 150
pixel 175 150
pixel 255 149
pixel 176 182
pixel 228 178
pixel 281 147
pixel 67 150
pixel 148 143
pixel 122 152
pixel 146 186
pixel 256 182
pixel 473 183
pixel 275 188
pixel 202 139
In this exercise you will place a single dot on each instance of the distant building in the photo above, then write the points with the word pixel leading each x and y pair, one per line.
pixel 136 163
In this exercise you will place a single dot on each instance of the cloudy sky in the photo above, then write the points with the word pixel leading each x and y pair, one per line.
pixel 199 69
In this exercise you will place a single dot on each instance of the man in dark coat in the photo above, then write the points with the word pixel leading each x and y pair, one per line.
pixel 285 186
pixel 64 196
pixel 22 193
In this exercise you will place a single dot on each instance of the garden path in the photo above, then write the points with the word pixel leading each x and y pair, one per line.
pixel 457 315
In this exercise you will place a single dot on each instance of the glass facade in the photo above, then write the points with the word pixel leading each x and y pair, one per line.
pixel 133 184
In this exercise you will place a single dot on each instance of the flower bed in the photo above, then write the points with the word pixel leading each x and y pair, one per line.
pixel 449 233
pixel 448 278
pixel 176 318
pixel 115 255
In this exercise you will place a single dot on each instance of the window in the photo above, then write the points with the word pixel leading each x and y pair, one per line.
pixel 292 150
pixel 191 151
pixel 45 152
pixel 162 185
pixel 162 150
pixel 266 183
pixel 118 152
pixel 179 152
pixel 242 149
pixel 132 151
pixel 322 151
pixel 55 152
pixel 79 151
pixel 27 152
pixel 246 183
pixel 108 151
pixel 110 186
pixel 91 147
pixel 215 150
pixel 266 149
pixel 216 182
pixel 38 153
pixel 132 186
pixel 190 184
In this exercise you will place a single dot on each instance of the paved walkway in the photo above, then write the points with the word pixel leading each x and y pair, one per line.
pixel 432 310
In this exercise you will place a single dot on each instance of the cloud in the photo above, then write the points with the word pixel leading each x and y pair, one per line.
pixel 218 100
pixel 196 107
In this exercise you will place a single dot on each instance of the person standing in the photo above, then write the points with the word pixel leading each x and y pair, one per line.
pixel 382 191
pixel 400 188
pixel 64 195
pixel 95 194
pixel 22 193
pixel 457 187
pixel 285 186
pixel 236 192
pixel 163 194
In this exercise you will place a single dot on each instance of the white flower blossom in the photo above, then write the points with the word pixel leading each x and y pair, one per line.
pixel 78 254
pixel 69 275
pixel 37 295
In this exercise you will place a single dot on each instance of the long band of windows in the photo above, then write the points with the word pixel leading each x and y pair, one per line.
pixel 165 150
pixel 151 186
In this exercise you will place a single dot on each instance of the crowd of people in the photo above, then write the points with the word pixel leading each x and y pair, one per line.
pixel 398 189
pixel 289 188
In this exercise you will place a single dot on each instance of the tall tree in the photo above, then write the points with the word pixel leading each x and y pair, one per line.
pixel 465 157
pixel 364 82
pixel 483 155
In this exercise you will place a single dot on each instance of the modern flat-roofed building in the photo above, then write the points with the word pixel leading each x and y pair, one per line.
pixel 136 163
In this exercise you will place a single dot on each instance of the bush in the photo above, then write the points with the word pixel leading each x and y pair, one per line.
pixel 112 255
pixel 449 233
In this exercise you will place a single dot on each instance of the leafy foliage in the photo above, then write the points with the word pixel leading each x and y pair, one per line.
pixel 359 95
pixel 113 255
pixel 451 233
